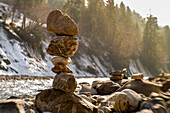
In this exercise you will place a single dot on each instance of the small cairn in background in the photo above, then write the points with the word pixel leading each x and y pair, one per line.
pixel 61 98
pixel 118 75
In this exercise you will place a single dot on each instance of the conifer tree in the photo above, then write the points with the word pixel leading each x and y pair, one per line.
pixel 150 41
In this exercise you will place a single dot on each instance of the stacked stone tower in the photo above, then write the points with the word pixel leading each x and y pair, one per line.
pixel 61 98
pixel 63 46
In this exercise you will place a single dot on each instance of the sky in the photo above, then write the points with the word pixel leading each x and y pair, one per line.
pixel 158 8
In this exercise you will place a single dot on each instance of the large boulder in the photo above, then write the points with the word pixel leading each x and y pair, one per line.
pixel 142 86
pixel 65 82
pixel 105 87
pixel 59 60
pixel 127 101
pixel 61 24
pixel 57 101
pixel 64 46
pixel 61 68
pixel 13 106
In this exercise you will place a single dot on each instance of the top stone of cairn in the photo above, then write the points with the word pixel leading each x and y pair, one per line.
pixel 61 24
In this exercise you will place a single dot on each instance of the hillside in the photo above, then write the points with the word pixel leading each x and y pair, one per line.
pixel 23 51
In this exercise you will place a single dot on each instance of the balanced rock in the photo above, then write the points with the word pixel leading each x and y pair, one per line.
pixel 127 101
pixel 137 76
pixel 61 68
pixel 61 24
pixel 59 60
pixel 57 101
pixel 64 46
pixel 65 82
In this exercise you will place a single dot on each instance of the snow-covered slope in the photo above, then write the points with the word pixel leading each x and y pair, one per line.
pixel 15 60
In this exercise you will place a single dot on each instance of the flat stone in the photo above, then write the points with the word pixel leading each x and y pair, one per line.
pixel 65 82
pixel 137 76
pixel 63 60
pixel 64 46
pixel 61 68
pixel 61 24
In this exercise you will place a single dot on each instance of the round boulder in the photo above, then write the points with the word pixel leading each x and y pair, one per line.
pixel 127 101
pixel 65 82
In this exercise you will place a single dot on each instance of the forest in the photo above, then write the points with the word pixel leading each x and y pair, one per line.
pixel 106 26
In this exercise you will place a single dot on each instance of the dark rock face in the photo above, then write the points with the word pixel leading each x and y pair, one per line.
pixel 61 102
pixel 61 24
pixel 61 68
pixel 7 61
pixel 64 46
pixel 65 82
